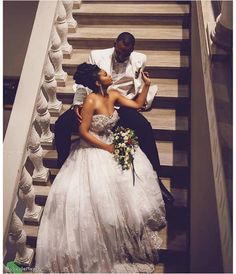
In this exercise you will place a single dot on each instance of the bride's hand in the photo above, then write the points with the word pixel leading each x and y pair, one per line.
pixel 146 79
pixel 110 148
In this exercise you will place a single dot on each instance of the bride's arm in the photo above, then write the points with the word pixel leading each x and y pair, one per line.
pixel 87 114
pixel 139 101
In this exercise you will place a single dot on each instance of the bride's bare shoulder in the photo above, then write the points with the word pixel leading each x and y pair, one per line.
pixel 90 99
pixel 114 93
pixel 92 96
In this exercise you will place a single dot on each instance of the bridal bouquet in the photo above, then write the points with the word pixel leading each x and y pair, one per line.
pixel 125 142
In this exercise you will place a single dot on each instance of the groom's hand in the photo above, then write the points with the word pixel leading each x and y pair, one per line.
pixel 78 111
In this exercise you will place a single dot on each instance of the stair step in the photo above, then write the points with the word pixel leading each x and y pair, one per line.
pixel 128 13
pixel 173 240
pixel 171 93
pixel 130 9
pixel 164 64
pixel 152 37
pixel 166 119
pixel 166 124
pixel 174 162
pixel 180 195
pixel 41 192
pixel 136 1
pixel 169 157
pixel 168 88
pixel 171 268
pixel 160 119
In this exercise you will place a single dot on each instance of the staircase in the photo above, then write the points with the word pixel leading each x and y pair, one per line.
pixel 162 31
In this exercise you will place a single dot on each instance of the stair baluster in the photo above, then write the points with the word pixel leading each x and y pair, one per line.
pixel 62 29
pixel 33 212
pixel 43 119
pixel 72 24
pixel 56 57
pixel 50 87
pixel 17 235
pixel 40 173
pixel 77 4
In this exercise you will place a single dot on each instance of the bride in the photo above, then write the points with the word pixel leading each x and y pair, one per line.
pixel 95 219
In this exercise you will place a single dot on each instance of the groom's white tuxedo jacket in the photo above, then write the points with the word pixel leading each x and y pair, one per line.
pixel 103 59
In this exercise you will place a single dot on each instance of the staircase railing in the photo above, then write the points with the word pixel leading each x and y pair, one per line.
pixel 35 99
pixel 218 198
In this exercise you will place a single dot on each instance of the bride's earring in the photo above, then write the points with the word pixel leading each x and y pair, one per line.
pixel 101 90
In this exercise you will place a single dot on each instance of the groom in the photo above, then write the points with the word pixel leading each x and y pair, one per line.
pixel 124 65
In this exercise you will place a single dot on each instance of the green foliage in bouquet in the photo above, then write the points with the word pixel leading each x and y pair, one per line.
pixel 125 142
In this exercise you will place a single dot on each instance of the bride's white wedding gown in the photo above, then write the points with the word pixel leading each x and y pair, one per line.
pixel 95 219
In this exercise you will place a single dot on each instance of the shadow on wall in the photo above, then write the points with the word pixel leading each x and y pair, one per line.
pixel 18 19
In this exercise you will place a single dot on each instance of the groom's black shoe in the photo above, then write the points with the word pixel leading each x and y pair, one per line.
pixel 167 196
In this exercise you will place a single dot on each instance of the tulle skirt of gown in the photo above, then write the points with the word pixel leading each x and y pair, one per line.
pixel 96 220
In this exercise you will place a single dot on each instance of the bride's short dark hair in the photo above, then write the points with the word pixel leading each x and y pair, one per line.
pixel 87 75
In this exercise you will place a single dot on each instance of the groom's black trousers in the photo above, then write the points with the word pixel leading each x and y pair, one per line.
pixel 131 118
pixel 65 125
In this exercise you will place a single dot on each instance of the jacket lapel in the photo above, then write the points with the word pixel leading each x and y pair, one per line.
pixel 106 62
pixel 134 68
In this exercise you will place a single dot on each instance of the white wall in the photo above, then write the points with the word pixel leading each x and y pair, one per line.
pixel 205 250
pixel 18 18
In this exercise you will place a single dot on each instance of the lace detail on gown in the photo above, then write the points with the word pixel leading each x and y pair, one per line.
pixel 94 219
pixel 101 126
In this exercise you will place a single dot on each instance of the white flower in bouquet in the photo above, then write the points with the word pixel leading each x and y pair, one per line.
pixel 126 138
pixel 125 142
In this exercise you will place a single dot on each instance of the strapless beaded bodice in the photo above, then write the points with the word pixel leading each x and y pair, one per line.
pixel 101 126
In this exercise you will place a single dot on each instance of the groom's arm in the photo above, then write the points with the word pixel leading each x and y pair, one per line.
pixel 152 91
pixel 91 59
pixel 143 62
pixel 138 102
pixel 80 95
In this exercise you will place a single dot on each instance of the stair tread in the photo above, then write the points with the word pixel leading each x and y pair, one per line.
pixel 180 194
pixel 173 59
pixel 160 119
pixel 174 240
pixel 137 1
pixel 168 155
pixel 170 268
pixel 167 88
pixel 112 8
pixel 152 32
pixel 166 119
pixel 41 190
